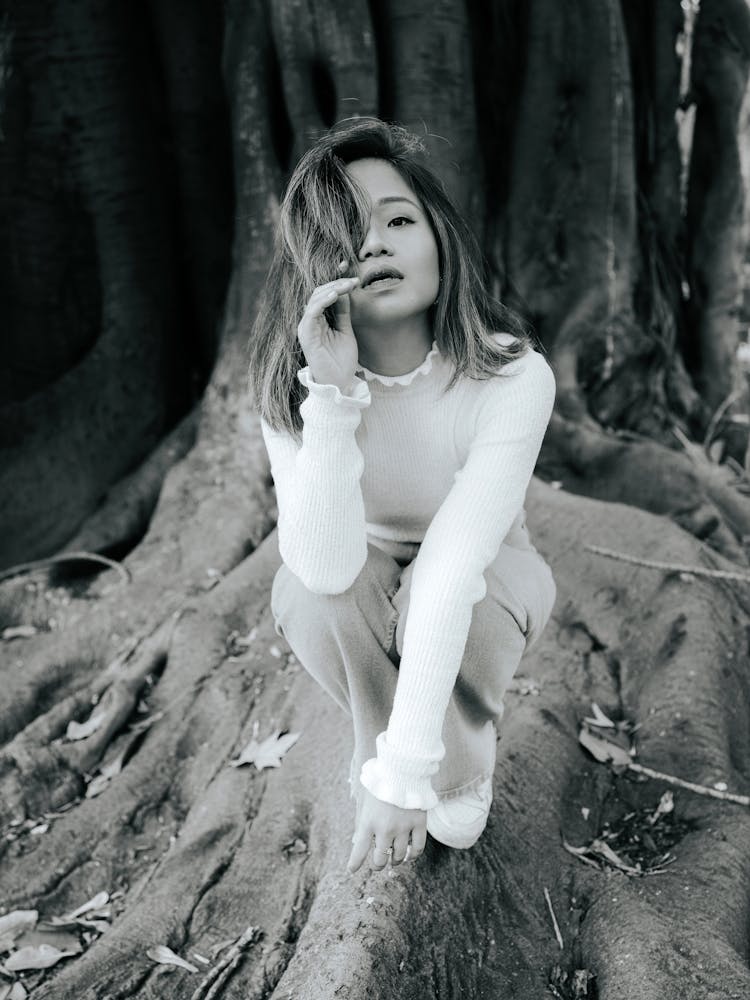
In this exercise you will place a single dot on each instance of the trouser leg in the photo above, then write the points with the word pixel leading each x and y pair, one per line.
pixel 346 643
pixel 351 645
pixel 505 623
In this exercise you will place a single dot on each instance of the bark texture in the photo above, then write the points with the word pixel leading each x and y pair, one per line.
pixel 144 158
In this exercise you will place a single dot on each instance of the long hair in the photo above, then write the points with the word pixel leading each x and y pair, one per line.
pixel 324 218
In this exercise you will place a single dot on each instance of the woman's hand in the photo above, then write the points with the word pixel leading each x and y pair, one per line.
pixel 392 827
pixel 332 354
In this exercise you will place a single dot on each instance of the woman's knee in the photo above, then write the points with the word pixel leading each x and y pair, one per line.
pixel 493 652
pixel 368 596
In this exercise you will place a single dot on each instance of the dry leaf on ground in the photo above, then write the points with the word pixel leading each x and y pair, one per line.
pixel 599 718
pixel 19 632
pixel 45 933
pixel 16 922
pixel 80 730
pixel 41 956
pixel 113 762
pixel 605 750
pixel 269 752
pixel 13 991
pixel 165 956
pixel 95 903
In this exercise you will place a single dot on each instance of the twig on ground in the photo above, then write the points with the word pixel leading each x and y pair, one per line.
pixel 609 750
pixel 716 574
pixel 216 977
pixel 715 793
pixel 558 935
pixel 63 557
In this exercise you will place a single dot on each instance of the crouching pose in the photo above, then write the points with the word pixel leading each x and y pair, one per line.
pixel 403 409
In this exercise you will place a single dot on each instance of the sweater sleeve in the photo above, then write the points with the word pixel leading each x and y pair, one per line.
pixel 321 523
pixel 464 537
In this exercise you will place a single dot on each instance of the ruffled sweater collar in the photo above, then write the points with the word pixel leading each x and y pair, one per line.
pixel 408 377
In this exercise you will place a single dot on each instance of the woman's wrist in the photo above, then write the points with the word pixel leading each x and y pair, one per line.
pixel 345 388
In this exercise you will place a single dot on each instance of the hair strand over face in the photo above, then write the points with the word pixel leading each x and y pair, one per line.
pixel 323 220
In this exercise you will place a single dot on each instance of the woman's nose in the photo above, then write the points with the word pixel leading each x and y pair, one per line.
pixel 375 244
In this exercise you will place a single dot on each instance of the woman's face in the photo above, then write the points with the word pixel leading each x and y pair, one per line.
pixel 398 261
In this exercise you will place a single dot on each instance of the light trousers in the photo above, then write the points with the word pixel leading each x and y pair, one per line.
pixel 351 644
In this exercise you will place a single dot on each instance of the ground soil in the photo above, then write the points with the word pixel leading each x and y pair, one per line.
pixel 194 851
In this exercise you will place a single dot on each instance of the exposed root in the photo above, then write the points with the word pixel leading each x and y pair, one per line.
pixel 228 863
pixel 123 516
pixel 64 557
pixel 39 769
pixel 696 494
pixel 215 979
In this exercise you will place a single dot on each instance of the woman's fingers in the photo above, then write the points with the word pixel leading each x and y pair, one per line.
pixel 360 849
pixel 400 848
pixel 381 855
pixel 418 841
pixel 325 294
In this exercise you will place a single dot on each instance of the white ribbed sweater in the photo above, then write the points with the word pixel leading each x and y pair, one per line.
pixel 414 471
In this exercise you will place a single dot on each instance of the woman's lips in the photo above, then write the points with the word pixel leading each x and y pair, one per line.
pixel 381 284
pixel 379 274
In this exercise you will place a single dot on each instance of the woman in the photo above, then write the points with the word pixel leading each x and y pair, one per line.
pixel 403 410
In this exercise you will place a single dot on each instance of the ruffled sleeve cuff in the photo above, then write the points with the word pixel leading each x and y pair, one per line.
pixel 358 395
pixel 403 782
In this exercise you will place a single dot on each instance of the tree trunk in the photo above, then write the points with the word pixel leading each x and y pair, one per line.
pixel 554 127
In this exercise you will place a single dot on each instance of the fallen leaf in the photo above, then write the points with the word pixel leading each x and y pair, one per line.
pixel 165 956
pixel 47 933
pixel 13 924
pixel 114 761
pixel 20 632
pixel 666 805
pixel 80 730
pixel 95 903
pixel 602 848
pixel 269 752
pixel 41 956
pixel 599 850
pixel 603 749
pixel 599 719
pixel 99 926
pixel 580 984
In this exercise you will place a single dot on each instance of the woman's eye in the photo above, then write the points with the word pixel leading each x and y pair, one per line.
pixel 399 221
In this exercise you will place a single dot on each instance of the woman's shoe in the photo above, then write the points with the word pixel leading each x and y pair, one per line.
pixel 459 821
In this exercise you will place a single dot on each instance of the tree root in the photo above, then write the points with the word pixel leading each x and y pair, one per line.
pixel 38 767
pixel 60 559
pixel 699 496
pixel 123 516
pixel 202 850
pixel 183 555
